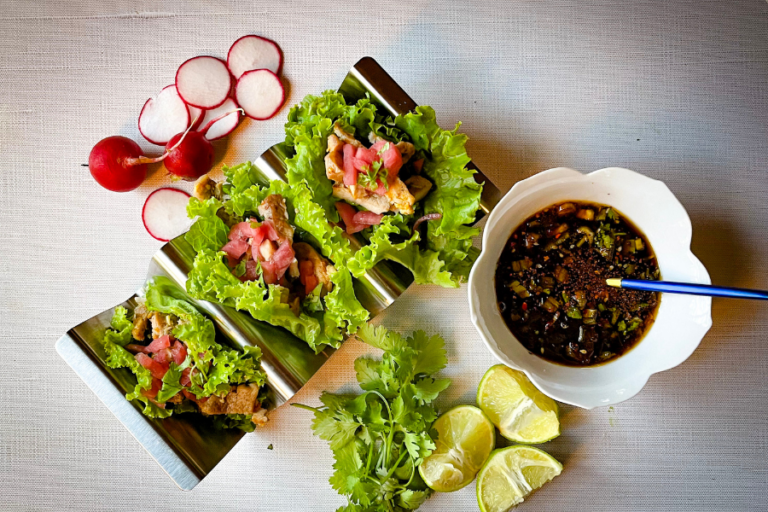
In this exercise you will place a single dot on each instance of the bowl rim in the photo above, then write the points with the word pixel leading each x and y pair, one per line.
pixel 606 393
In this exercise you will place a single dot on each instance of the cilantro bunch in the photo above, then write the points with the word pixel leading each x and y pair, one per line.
pixel 380 437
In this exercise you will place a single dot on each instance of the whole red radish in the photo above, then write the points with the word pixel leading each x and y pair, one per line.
pixel 191 158
pixel 117 163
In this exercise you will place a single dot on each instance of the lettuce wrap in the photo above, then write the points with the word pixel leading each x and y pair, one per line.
pixel 320 315
pixel 179 366
pixel 444 254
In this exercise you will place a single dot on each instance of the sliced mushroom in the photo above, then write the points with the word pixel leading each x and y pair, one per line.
pixel 346 137
pixel 372 202
pixel 418 186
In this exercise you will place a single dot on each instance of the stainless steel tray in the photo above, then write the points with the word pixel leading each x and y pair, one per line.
pixel 186 446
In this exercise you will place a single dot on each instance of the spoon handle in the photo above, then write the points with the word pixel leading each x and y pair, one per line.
pixel 688 288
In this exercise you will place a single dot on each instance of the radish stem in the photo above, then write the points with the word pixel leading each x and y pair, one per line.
pixel 146 160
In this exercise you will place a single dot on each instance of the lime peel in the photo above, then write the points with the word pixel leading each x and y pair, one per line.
pixel 521 412
pixel 510 474
pixel 466 438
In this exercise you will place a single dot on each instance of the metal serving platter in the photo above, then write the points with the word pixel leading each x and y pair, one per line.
pixel 187 447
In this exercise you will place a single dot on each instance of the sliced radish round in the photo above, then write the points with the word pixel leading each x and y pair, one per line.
pixel 254 52
pixel 163 116
pixel 203 82
pixel 165 213
pixel 223 126
pixel 260 94
pixel 195 116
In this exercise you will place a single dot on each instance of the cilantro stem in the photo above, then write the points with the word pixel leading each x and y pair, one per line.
pixel 388 443
pixel 302 406
pixel 394 467
pixel 386 403
pixel 370 456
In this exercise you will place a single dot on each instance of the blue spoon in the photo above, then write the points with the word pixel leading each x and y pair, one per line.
pixel 687 288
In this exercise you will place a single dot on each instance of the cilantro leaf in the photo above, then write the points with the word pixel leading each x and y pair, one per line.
pixel 379 438
pixel 430 353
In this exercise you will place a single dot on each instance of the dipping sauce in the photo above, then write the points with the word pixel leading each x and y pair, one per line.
pixel 550 284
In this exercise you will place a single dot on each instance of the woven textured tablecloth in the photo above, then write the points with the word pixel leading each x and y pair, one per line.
pixel 677 90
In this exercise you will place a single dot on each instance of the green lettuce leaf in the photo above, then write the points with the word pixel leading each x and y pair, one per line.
pixel 456 195
pixel 425 265
pixel 241 421
pixel 121 327
pixel 210 279
pixel 209 231
pixel 241 177
pixel 171 382
pixel 342 305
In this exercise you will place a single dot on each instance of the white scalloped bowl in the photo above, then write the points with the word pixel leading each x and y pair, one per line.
pixel 681 321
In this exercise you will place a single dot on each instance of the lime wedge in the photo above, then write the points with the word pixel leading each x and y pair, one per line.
pixel 521 412
pixel 511 474
pixel 465 439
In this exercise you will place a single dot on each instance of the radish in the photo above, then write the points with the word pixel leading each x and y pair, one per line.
pixel 196 116
pixel 254 52
pixel 163 117
pixel 118 164
pixel 220 121
pixel 165 214
pixel 203 82
pixel 260 94
pixel 190 156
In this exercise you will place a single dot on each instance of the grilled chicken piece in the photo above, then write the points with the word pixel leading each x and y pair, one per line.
pixel 140 319
pixel 345 137
pixel 205 188
pixel 214 405
pixel 369 200
pixel 176 399
pixel 162 325
pixel 334 160
pixel 242 399
pixel 260 417
pixel 273 208
pixel 418 187
pixel 323 269
pixel 401 199
pixel 397 198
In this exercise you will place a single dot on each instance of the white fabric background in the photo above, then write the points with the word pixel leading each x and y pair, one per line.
pixel 673 89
